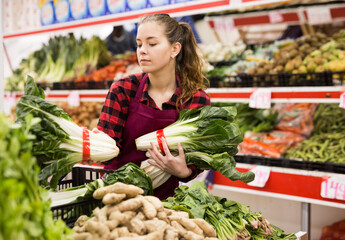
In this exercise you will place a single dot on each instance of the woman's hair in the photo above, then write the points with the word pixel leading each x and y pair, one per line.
pixel 189 63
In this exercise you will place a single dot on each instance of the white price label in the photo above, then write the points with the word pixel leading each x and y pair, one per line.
pixel 229 23
pixel 10 102
pixel 342 100
pixel 235 3
pixel 333 187
pixel 260 98
pixel 261 176
pixel 73 99
pixel 319 15
pixel 275 17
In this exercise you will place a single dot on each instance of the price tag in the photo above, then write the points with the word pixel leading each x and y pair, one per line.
pixel 261 176
pixel 229 24
pixel 319 15
pixel 219 25
pixel 9 103
pixel 342 100
pixel 275 17
pixel 73 99
pixel 260 98
pixel 235 3
pixel 333 187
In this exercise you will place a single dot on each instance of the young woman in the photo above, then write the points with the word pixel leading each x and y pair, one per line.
pixel 171 80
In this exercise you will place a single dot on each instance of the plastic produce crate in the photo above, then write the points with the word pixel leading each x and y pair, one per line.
pixel 291 163
pixel 70 212
pixel 279 80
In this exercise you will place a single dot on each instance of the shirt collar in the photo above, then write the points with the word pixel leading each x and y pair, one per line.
pixel 172 101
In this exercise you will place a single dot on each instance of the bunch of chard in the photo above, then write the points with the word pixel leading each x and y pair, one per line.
pixel 209 137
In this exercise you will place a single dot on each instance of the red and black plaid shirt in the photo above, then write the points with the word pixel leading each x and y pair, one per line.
pixel 113 117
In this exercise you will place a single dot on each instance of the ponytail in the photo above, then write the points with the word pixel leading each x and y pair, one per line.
pixel 189 65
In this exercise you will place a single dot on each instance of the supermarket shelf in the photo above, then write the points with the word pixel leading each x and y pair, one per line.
pixel 290 184
pixel 279 94
pixel 175 10
pixel 193 7
pixel 289 16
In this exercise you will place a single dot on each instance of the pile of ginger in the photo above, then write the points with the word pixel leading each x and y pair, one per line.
pixel 128 215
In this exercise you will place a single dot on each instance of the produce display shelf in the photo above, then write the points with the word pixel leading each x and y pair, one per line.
pixel 315 79
pixel 283 183
pixel 290 16
pixel 325 94
pixel 291 163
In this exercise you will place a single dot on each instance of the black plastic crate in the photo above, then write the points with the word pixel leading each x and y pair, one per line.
pixel 229 81
pixel 70 212
pixel 291 163
pixel 79 176
pixel 288 79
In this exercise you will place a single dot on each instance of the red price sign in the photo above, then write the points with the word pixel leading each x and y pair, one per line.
pixel 260 98
pixel 333 187
pixel 73 99
pixel 261 176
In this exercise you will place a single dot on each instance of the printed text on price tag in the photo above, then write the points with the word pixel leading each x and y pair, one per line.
pixel 333 187
pixel 73 99
pixel 260 98
pixel 261 176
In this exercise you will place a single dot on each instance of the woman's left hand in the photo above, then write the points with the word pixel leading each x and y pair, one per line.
pixel 176 166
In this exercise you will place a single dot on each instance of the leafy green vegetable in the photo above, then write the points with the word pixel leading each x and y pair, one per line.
pixel 63 58
pixel 129 174
pixel 24 207
pixel 209 137
pixel 59 141
pixel 251 119
pixel 231 220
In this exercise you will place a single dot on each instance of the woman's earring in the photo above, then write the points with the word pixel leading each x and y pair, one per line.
pixel 172 57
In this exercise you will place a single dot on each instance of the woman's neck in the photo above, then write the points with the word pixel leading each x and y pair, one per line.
pixel 162 82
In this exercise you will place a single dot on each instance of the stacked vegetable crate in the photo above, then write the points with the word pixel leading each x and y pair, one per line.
pixel 80 175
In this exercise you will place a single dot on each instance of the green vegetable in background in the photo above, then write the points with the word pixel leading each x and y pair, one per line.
pixel 329 118
pixel 251 119
pixel 232 220
pixel 326 147
pixel 24 208
pixel 59 141
pixel 62 58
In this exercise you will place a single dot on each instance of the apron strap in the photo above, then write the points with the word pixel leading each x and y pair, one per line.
pixel 141 87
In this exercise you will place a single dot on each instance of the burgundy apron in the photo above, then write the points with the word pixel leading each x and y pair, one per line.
pixel 143 119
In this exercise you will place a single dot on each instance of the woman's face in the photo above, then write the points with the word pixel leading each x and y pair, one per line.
pixel 153 48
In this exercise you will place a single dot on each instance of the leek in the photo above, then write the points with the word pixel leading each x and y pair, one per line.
pixel 209 137
pixel 59 141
